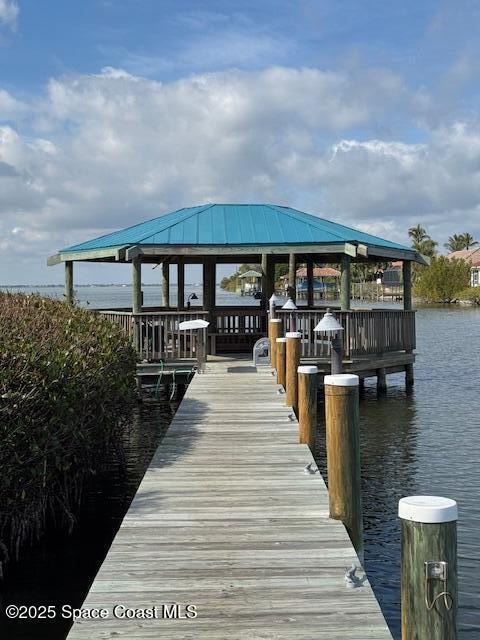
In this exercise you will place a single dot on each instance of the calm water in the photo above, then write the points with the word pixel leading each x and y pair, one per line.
pixel 426 442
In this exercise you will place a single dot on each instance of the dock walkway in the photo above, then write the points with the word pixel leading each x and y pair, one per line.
pixel 226 519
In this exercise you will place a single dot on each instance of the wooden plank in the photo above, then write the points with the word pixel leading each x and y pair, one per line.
pixel 226 519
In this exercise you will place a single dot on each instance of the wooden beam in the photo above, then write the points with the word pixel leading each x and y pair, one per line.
pixel 310 301
pixel 137 285
pixel 345 284
pixel 407 285
pixel 117 253
pixel 166 283
pixel 234 251
pixel 69 282
pixel 181 284
pixel 53 260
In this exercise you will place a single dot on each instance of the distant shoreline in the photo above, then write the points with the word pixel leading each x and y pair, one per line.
pixel 80 286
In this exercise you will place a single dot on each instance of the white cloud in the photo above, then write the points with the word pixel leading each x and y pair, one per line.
pixel 9 13
pixel 110 149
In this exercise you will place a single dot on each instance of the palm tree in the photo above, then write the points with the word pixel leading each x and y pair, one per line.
pixel 455 242
pixel 421 241
pixel 468 240
pixel 417 234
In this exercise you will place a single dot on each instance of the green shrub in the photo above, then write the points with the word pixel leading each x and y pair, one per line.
pixel 470 294
pixel 443 280
pixel 67 381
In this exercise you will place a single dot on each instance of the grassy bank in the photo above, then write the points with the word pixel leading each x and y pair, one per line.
pixel 66 390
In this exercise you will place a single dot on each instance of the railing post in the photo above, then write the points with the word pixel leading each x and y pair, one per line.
pixel 343 454
pixel 307 404
pixel 429 567
pixel 274 330
pixel 281 361
pixel 293 360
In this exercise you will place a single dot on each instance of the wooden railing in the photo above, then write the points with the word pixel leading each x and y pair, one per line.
pixel 239 320
pixel 372 332
pixel 156 336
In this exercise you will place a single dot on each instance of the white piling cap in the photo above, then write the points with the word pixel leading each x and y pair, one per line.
pixel 307 369
pixel 341 380
pixel 293 334
pixel 433 509
pixel 280 340
pixel 275 319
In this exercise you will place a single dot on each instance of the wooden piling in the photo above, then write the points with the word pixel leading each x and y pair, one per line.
pixel 293 349
pixel 409 377
pixel 381 380
pixel 343 453
pixel 274 331
pixel 281 361
pixel 307 405
pixel 429 599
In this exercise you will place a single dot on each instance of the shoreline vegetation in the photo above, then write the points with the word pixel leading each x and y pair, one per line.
pixel 67 389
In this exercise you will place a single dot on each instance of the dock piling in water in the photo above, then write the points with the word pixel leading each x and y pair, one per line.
pixel 293 345
pixel 281 361
pixel 274 331
pixel 307 405
pixel 343 453
pixel 429 567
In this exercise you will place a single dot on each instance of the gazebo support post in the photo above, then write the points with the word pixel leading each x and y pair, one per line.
pixel 136 285
pixel 181 283
pixel 166 284
pixel 310 301
pixel 407 305
pixel 292 268
pixel 407 285
pixel 209 273
pixel 268 278
pixel 69 282
pixel 345 284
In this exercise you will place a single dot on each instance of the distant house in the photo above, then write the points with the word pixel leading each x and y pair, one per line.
pixel 473 257
pixel 323 278
pixel 394 274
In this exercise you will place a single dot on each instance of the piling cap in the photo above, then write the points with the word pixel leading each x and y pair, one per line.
pixel 307 369
pixel 341 380
pixel 293 334
pixel 280 340
pixel 433 509
pixel 275 319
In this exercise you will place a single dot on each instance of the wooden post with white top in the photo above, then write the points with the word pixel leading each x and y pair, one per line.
pixel 307 405
pixel 281 361
pixel 429 568
pixel 343 453
pixel 294 339
pixel 274 330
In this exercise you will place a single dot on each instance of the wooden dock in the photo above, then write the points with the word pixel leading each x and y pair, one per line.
pixel 226 519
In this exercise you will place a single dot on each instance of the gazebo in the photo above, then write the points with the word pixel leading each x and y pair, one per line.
pixel 264 234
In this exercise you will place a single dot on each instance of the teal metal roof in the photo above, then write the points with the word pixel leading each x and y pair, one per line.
pixel 236 225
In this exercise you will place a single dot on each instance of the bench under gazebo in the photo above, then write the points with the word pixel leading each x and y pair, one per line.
pixel 263 234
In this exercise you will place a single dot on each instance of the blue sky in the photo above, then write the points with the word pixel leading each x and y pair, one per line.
pixel 113 111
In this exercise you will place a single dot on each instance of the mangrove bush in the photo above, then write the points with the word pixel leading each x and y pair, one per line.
pixel 443 280
pixel 67 381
